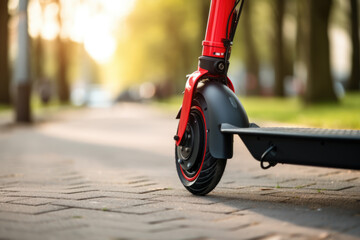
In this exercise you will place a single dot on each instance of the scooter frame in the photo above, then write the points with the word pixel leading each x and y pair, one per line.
pixel 226 116
pixel 213 65
pixel 214 59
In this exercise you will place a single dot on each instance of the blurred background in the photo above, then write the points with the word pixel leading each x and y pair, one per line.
pixel 301 55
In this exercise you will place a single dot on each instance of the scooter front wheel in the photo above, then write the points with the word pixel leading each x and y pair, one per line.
pixel 198 171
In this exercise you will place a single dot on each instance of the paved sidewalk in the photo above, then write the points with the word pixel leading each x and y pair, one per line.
pixel 110 174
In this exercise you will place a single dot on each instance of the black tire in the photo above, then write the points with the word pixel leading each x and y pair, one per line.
pixel 198 171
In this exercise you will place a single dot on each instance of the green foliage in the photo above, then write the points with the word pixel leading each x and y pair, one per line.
pixel 345 115
pixel 325 115
pixel 4 107
pixel 160 44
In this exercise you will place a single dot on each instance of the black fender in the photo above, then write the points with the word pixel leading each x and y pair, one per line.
pixel 221 105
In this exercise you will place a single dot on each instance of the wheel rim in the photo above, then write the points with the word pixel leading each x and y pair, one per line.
pixel 191 153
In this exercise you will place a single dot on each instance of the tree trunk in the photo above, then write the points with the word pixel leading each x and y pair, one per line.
pixel 354 81
pixel 319 87
pixel 252 61
pixel 4 61
pixel 279 58
pixel 62 85
pixel 62 81
pixel 22 76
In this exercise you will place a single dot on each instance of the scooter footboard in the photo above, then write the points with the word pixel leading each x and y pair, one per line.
pixel 305 146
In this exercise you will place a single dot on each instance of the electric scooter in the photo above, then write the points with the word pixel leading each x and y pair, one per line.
pixel 211 114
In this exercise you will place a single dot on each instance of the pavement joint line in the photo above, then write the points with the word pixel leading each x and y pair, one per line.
pixel 138 181
pixel 288 180
pixel 235 212
pixel 57 198
pixel 38 213
pixel 26 204
pixel 11 191
pixel 86 208
pixel 267 236
pixel 49 230
pixel 141 214
pixel 351 179
pixel 77 187
pixel 154 190
pixel 329 173
pixel 145 185
pixel 144 204
pixel 304 186
pixel 241 226
pixel 17 199
pixel 85 191
pixel 261 176
pixel 167 228
pixel 35 222
pixel 135 198
pixel 344 188
pixel 166 220
pixel 229 182
pixel 78 183
pixel 113 210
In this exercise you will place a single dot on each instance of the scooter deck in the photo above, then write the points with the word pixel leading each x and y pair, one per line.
pixel 305 146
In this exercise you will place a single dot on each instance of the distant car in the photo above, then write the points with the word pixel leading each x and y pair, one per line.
pixel 91 95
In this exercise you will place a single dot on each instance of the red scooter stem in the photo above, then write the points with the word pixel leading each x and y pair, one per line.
pixel 213 46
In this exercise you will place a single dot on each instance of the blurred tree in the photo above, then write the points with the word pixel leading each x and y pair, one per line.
pixel 62 81
pixel 251 55
pixel 22 72
pixel 204 6
pixel 319 85
pixel 278 50
pixel 354 81
pixel 162 43
pixel 39 58
pixel 4 64
pixel 302 46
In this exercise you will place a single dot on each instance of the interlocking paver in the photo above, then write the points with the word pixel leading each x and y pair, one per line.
pixel 33 201
pixel 8 207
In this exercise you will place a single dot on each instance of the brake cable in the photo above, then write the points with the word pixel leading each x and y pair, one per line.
pixel 230 37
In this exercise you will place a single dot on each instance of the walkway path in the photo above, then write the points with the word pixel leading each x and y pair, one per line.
pixel 110 174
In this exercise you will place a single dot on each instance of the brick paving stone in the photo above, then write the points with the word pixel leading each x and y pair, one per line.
pixel 188 198
pixel 126 195
pixel 100 203
pixel 43 227
pixel 213 208
pixel 7 234
pixel 141 209
pixel 25 217
pixel 5 199
pixel 8 207
pixel 75 196
pixel 33 201
pixel 321 198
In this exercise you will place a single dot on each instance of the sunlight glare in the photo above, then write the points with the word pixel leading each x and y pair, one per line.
pixel 35 18
pixel 98 41
pixel 93 23
pixel 50 28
